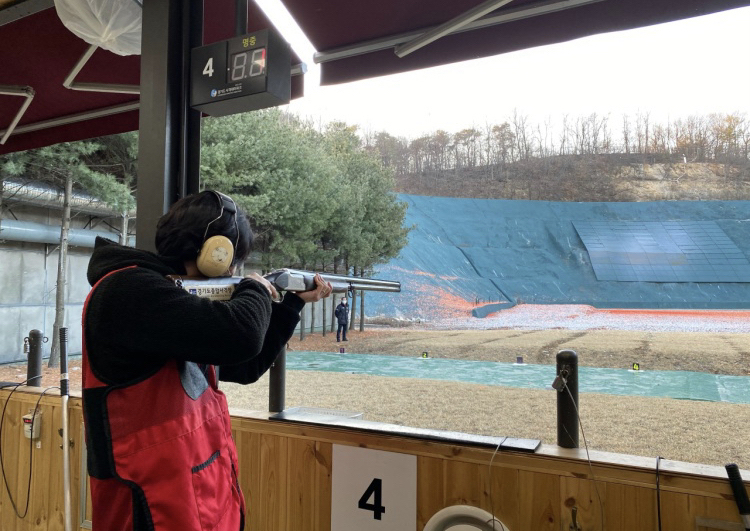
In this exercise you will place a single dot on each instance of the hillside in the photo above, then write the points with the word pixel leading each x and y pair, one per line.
pixel 587 178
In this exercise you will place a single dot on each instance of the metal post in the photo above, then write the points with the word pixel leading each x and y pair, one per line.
pixel 65 437
pixel 34 364
pixel 277 384
pixel 566 384
pixel 64 389
pixel 160 127
pixel 190 147
pixel 240 27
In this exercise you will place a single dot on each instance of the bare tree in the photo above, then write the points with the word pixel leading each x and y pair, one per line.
pixel 521 135
pixel 62 261
pixel 626 133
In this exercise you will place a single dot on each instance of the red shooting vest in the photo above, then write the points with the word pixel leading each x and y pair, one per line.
pixel 158 458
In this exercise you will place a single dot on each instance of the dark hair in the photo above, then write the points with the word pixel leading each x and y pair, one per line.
pixel 180 233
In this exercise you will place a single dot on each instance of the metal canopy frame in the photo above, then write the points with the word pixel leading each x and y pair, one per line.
pixel 341 30
pixel 23 9
pixel 103 86
pixel 70 82
pixel 449 27
pixel 26 92
pixel 457 25
pixel 74 118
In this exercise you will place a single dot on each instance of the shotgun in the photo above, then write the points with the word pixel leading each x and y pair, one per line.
pixel 221 288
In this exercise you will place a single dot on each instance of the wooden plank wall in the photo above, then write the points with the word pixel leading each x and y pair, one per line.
pixel 45 507
pixel 285 472
pixel 286 477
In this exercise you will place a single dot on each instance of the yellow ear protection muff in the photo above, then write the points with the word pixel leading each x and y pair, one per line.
pixel 217 252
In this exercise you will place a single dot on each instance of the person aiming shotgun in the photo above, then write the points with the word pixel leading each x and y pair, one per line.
pixel 160 451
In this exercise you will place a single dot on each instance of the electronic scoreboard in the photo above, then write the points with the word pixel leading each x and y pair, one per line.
pixel 241 74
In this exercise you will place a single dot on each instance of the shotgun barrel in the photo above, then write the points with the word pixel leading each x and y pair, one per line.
pixel 298 280
pixel 221 288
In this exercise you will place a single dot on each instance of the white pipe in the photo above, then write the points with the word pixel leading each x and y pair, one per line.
pixel 64 392
pixel 66 465
pixel 28 231
pixel 44 195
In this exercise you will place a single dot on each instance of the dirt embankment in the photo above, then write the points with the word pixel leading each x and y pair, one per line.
pixel 684 181
pixel 588 178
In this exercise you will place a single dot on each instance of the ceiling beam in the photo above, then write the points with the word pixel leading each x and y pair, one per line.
pixel 23 8
pixel 70 81
pixel 26 92
pixel 453 25
pixel 73 118
pixel 504 16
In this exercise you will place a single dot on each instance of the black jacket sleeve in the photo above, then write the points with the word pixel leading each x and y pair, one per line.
pixel 137 319
pixel 284 318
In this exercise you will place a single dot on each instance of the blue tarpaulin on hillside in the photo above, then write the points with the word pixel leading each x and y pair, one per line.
pixel 467 254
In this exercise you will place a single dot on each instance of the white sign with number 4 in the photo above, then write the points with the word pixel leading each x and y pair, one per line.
pixel 373 490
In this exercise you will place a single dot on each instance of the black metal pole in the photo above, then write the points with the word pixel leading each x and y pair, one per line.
pixel 566 384
pixel 277 384
pixel 241 21
pixel 190 148
pixel 64 361
pixel 739 493
pixel 34 363
pixel 161 115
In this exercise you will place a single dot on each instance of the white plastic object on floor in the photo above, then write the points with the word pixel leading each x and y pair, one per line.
pixel 464 518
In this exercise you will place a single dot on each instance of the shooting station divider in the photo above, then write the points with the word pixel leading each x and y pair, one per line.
pixel 289 476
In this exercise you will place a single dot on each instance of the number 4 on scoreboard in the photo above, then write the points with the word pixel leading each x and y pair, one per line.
pixel 208 70
pixel 374 491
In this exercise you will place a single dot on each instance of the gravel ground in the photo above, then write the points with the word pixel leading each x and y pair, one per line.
pixel 716 342
pixel 577 317
pixel 696 432
pixel 693 431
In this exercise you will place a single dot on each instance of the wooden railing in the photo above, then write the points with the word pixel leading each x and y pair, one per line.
pixel 287 473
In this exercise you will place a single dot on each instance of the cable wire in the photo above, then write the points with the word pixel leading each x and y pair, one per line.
pixel 586 446
pixel 31 449
pixel 658 492
pixel 492 502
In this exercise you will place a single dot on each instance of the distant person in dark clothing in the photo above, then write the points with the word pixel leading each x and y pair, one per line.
pixel 342 314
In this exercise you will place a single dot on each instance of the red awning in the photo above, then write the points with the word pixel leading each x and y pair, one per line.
pixel 335 24
pixel 38 52
pixel 355 40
